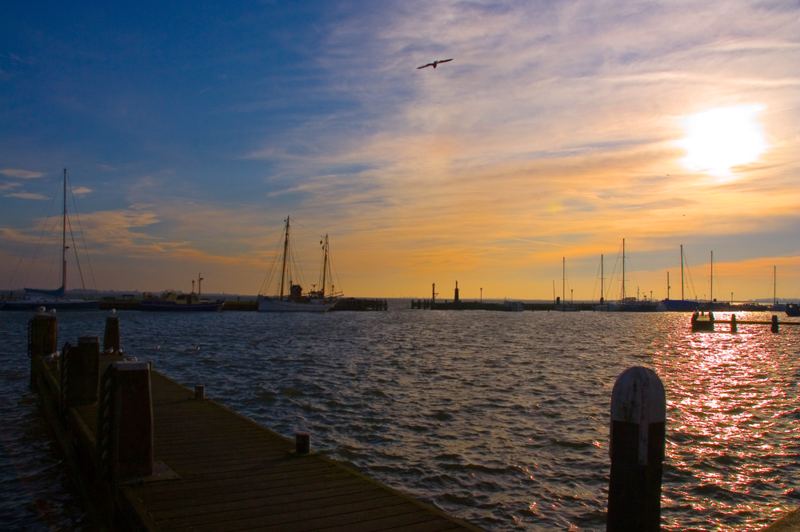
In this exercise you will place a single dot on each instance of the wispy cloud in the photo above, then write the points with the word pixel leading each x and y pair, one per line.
pixel 20 173
pixel 27 196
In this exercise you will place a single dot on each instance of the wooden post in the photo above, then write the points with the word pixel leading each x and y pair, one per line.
pixel 638 416
pixel 302 442
pixel 80 365
pixel 734 325
pixel 774 326
pixel 132 439
pixel 111 334
pixel 42 338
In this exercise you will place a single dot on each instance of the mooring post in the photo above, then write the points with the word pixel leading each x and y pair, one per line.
pixel 734 325
pixel 302 442
pixel 774 326
pixel 42 338
pixel 111 334
pixel 80 366
pixel 638 416
pixel 132 425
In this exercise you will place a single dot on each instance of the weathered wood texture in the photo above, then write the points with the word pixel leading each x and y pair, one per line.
pixel 225 472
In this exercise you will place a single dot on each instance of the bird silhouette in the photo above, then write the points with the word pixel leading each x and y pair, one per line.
pixel 435 63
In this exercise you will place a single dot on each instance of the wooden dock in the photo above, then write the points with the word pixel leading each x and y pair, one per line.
pixel 707 323
pixel 211 468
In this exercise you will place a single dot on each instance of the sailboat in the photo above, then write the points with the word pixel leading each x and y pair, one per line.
pixel 679 305
pixel 53 298
pixel 295 300
pixel 630 303
pixel 562 303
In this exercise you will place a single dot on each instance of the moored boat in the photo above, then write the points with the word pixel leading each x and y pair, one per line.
pixel 679 305
pixel 792 309
pixel 178 302
pixel 295 300
pixel 55 298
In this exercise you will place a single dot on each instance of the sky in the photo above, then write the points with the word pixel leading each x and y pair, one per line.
pixel 191 130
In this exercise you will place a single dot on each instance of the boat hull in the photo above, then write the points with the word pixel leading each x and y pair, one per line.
pixel 680 305
pixel 629 306
pixel 792 309
pixel 266 304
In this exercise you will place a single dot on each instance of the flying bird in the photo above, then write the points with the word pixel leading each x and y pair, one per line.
pixel 435 63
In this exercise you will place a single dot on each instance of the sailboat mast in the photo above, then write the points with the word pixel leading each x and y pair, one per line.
pixel 324 263
pixel 285 252
pixel 563 279
pixel 774 285
pixel 623 269
pixel 682 298
pixel 711 299
pixel 64 237
pixel 602 278
pixel 668 286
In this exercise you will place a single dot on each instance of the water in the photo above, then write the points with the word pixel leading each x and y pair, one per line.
pixel 498 418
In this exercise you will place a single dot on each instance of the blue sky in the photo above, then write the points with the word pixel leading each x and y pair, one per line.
pixel 190 130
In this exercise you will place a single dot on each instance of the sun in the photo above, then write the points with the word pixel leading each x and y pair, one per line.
pixel 720 139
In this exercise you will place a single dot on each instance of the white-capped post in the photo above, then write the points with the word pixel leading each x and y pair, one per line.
pixel 638 416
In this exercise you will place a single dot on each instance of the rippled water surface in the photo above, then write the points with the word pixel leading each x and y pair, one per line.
pixel 498 418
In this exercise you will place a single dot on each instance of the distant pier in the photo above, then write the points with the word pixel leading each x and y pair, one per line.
pixel 251 305
pixel 702 322
pixel 506 306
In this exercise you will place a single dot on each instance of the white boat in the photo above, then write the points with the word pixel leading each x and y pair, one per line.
pixel 295 300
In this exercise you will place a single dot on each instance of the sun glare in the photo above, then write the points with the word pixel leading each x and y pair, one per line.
pixel 720 139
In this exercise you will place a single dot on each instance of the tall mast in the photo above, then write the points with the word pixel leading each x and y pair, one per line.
pixel 324 263
pixel 711 299
pixel 563 279
pixel 668 286
pixel 623 269
pixel 64 238
pixel 682 298
pixel 774 285
pixel 602 278
pixel 285 252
